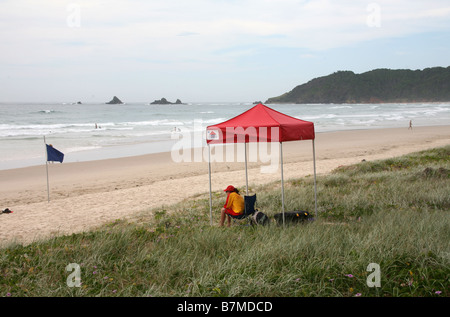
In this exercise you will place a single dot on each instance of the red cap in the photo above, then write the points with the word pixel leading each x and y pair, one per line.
pixel 229 189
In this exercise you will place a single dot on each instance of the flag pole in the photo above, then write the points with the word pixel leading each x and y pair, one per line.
pixel 46 167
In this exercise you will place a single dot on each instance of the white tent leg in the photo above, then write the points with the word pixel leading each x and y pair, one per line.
pixel 246 173
pixel 315 185
pixel 282 182
pixel 210 189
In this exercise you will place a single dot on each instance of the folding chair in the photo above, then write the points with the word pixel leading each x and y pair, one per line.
pixel 249 203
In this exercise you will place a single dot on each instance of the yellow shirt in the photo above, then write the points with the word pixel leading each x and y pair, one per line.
pixel 235 202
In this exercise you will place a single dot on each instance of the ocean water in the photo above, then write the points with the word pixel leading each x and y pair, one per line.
pixel 99 131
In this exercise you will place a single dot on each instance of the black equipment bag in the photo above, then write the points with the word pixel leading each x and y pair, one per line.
pixel 293 217
pixel 259 218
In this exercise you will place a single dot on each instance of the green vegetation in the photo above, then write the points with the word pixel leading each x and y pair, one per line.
pixel 393 212
pixel 376 86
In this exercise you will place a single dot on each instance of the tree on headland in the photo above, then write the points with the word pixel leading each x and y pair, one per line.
pixel 376 86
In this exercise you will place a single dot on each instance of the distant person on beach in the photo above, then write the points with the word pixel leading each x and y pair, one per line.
pixel 410 124
pixel 234 205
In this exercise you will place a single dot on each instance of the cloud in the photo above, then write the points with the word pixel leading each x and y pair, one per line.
pixel 164 28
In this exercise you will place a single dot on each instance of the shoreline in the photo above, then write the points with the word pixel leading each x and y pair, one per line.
pixel 142 149
pixel 85 195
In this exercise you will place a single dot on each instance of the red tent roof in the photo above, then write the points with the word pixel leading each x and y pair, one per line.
pixel 260 124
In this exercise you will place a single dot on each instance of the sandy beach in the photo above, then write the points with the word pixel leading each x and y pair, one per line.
pixel 85 195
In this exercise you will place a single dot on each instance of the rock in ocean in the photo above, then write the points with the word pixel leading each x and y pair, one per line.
pixel 115 101
pixel 163 101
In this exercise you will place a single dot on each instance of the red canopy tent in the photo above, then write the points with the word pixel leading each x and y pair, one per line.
pixel 261 124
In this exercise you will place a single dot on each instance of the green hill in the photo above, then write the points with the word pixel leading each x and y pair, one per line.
pixel 376 86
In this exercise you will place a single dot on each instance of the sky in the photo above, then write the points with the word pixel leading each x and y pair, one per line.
pixel 207 50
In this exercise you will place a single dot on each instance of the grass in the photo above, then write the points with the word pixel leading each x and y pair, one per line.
pixel 392 212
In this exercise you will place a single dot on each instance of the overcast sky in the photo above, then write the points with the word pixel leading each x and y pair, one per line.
pixel 200 50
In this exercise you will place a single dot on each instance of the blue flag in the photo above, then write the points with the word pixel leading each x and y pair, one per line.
pixel 53 155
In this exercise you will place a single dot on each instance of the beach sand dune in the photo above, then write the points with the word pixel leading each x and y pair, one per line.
pixel 85 195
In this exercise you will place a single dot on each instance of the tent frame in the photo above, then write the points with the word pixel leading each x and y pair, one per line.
pixel 282 179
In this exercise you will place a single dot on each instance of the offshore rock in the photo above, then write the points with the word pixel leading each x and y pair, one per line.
pixel 115 101
pixel 163 101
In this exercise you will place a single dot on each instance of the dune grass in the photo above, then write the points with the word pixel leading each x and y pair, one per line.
pixel 392 212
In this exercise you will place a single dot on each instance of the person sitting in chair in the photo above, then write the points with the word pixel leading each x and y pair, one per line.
pixel 234 205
